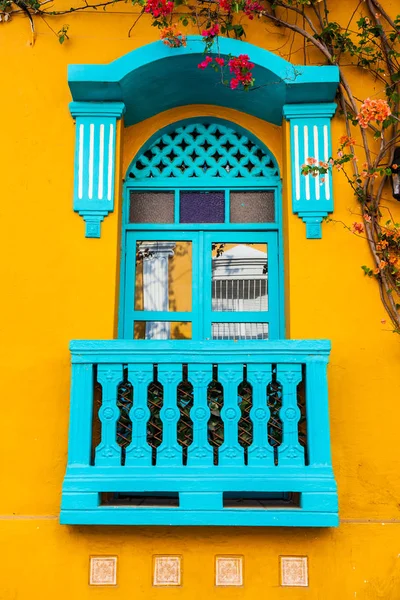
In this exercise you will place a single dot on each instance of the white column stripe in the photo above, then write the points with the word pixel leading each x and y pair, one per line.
pixel 80 160
pixel 316 155
pixel 305 132
pixel 326 158
pixel 110 162
pixel 296 160
pixel 91 159
pixel 101 163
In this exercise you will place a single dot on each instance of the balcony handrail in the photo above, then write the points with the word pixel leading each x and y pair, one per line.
pixel 143 351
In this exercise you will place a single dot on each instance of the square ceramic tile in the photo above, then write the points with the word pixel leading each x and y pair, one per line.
pixel 228 570
pixel 103 570
pixel 294 571
pixel 167 570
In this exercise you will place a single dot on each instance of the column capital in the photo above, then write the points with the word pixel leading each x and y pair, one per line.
pixel 309 111
pixel 97 109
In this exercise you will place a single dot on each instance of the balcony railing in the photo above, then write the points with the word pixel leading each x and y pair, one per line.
pixel 199 433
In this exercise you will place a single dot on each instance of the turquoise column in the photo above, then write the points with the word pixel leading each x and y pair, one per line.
pixel 95 161
pixel 310 137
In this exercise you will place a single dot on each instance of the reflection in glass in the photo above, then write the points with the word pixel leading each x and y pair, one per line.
pixel 239 277
pixel 162 330
pixel 240 331
pixel 163 281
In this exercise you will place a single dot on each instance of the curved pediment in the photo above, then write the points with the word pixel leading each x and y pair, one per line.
pixel 155 78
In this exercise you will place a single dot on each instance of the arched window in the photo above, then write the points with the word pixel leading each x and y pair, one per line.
pixel 202 237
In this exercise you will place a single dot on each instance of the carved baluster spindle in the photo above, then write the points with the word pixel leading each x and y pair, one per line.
pixel 231 453
pixel 108 452
pixel 138 453
pixel 260 453
pixel 169 453
pixel 200 452
pixel 290 452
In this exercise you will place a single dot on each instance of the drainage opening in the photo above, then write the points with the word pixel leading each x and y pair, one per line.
pixel 149 499
pixel 261 500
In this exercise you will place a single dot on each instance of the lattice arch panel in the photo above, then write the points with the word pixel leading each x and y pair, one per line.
pixel 204 149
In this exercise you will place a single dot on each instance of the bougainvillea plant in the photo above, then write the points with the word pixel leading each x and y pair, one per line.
pixel 369 41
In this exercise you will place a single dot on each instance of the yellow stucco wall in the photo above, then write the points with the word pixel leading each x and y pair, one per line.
pixel 56 286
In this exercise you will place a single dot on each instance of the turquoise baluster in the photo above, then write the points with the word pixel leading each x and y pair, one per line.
pixel 169 453
pixel 231 453
pixel 290 452
pixel 200 452
pixel 139 453
pixel 260 453
pixel 108 452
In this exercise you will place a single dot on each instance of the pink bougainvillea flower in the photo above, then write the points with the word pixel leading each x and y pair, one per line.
pixel 212 32
pixel 220 61
pixel 204 64
pixel 159 8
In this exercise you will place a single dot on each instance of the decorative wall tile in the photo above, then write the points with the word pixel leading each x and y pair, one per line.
pixel 167 570
pixel 294 571
pixel 228 570
pixel 103 570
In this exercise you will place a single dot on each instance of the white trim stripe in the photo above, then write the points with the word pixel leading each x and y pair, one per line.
pixel 296 160
pixel 326 158
pixel 91 160
pixel 101 163
pixel 110 162
pixel 306 155
pixel 80 160
pixel 316 156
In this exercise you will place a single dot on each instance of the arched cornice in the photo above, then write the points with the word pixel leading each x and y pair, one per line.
pixel 155 78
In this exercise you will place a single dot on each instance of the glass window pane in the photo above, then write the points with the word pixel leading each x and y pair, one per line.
pixel 252 207
pixel 151 207
pixel 162 330
pixel 239 331
pixel 202 207
pixel 239 277
pixel 163 276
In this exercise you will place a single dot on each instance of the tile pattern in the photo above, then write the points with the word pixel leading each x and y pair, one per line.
pixel 294 571
pixel 103 570
pixel 167 571
pixel 228 570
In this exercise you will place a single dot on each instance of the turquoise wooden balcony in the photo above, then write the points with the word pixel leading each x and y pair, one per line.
pixel 199 433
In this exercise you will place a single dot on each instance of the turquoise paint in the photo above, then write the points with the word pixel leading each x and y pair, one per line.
pixel 310 136
pixel 95 161
pixel 140 75
pixel 200 484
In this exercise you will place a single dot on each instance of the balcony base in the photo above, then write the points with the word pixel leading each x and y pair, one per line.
pixel 201 500
pixel 284 517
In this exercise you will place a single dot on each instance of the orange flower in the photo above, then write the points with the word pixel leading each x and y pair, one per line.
pixel 373 110
pixel 367 218
pixel 395 166
pixel 382 265
pixel 357 227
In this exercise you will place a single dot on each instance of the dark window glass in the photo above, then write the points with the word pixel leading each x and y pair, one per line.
pixel 151 207
pixel 202 207
pixel 252 207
